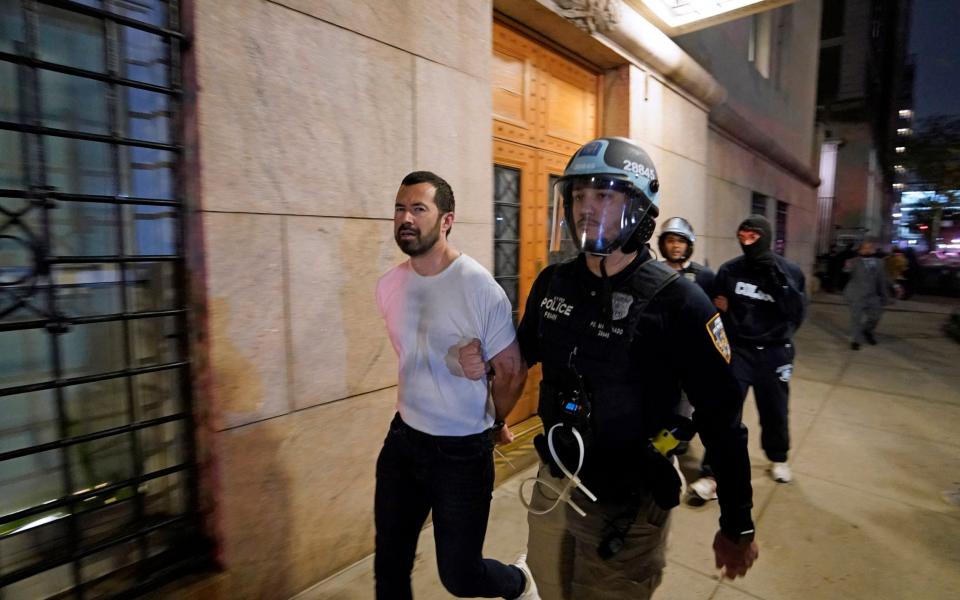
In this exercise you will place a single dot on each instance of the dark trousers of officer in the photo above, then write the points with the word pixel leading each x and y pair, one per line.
pixel 453 476
pixel 562 545
pixel 768 369
pixel 864 318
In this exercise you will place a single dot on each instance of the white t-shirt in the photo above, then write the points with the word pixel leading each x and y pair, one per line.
pixel 428 320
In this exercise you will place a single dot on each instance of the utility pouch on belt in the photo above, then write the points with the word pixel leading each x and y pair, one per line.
pixel 660 477
pixel 572 410
pixel 659 473
pixel 566 447
pixel 678 430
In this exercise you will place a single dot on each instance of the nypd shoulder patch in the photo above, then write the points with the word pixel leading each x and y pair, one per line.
pixel 719 336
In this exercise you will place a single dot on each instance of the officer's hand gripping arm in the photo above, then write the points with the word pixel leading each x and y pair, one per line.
pixel 510 375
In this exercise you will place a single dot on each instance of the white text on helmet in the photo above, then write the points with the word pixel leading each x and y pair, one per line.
pixel 635 167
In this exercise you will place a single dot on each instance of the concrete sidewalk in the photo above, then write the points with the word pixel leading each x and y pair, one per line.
pixel 876 437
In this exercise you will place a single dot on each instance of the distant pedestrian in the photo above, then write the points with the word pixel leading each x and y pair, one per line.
pixel 867 292
pixel 895 266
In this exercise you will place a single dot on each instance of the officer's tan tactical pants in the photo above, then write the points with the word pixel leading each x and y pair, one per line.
pixel 562 548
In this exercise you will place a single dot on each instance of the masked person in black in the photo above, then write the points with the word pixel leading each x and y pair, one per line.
pixel 761 296
pixel 606 327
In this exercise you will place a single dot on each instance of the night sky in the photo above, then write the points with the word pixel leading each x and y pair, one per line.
pixel 935 40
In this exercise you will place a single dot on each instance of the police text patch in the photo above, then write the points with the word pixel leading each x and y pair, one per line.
pixel 719 336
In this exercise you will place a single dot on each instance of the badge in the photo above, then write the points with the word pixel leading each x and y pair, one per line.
pixel 621 305
pixel 719 337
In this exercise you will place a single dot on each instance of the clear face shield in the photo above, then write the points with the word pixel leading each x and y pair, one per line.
pixel 596 213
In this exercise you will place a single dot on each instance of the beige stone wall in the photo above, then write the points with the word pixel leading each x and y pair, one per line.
pixel 783 105
pixel 734 173
pixel 672 129
pixel 705 176
pixel 309 113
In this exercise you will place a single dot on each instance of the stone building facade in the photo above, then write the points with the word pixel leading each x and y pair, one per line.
pixel 300 117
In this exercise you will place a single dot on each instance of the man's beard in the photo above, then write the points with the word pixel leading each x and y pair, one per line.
pixel 420 244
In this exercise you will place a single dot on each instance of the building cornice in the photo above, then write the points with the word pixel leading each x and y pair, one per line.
pixel 620 28
pixel 639 37
pixel 736 126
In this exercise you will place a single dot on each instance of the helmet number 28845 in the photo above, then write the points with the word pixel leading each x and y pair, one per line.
pixel 635 167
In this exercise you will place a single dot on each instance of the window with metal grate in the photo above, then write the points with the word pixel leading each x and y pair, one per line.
pixel 97 456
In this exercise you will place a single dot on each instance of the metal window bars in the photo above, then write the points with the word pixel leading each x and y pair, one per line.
pixel 506 242
pixel 159 542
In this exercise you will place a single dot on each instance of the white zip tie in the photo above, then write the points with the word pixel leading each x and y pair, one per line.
pixel 504 457
pixel 573 483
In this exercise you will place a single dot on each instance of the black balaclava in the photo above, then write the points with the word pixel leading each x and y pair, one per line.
pixel 759 252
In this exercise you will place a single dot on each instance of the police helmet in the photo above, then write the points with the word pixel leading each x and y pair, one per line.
pixel 678 226
pixel 608 197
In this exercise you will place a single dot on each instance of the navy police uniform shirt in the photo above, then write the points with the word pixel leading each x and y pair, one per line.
pixel 634 359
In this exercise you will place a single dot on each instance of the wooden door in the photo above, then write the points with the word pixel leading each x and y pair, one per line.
pixel 545 107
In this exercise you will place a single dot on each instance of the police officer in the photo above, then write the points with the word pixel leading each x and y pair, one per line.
pixel 676 244
pixel 598 324
pixel 761 296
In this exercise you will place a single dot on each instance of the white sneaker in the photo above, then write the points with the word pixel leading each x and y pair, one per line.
pixel 780 471
pixel 704 488
pixel 530 587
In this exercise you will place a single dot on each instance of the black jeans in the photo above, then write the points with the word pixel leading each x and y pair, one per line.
pixel 417 472
pixel 768 369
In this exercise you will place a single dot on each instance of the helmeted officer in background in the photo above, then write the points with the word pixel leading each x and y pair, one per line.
pixel 761 296
pixel 676 244
pixel 607 327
